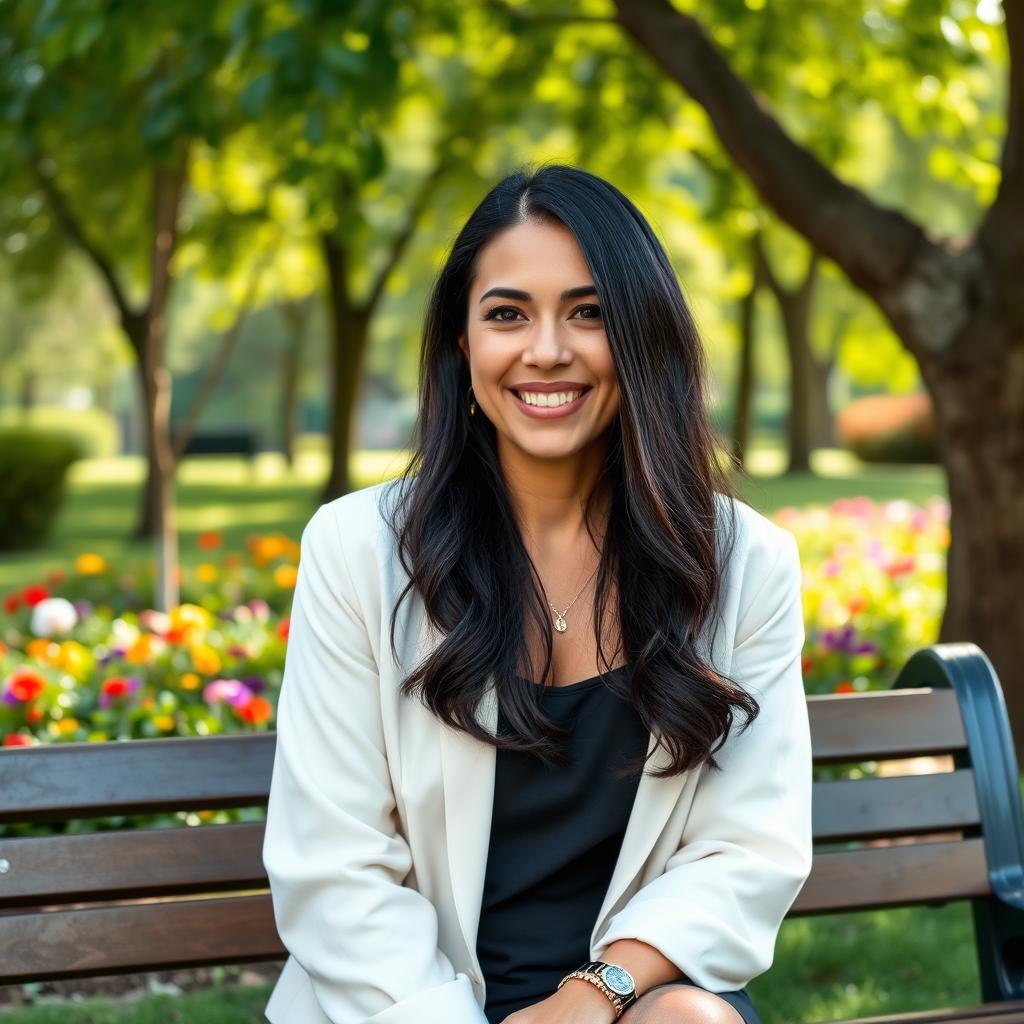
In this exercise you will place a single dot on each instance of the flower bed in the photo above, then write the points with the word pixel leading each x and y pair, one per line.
pixel 83 659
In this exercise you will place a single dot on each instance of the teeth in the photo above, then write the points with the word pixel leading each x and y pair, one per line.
pixel 546 400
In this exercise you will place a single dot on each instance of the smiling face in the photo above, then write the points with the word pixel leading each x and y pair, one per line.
pixel 539 358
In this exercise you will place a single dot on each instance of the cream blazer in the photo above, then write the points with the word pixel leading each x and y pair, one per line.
pixel 378 821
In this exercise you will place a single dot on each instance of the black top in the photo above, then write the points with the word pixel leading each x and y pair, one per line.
pixel 556 832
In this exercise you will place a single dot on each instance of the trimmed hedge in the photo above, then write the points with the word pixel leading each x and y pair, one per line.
pixel 33 472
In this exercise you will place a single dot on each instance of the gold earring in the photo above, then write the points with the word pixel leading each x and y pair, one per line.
pixel 472 402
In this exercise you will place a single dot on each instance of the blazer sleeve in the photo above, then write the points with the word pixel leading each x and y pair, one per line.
pixel 333 854
pixel 746 847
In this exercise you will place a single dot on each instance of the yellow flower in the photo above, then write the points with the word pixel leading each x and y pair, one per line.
pixel 90 564
pixel 190 681
pixel 164 722
pixel 205 660
pixel 73 658
pixel 285 576
pixel 189 617
pixel 206 572
pixel 65 726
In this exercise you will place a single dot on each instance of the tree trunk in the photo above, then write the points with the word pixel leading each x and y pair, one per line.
pixel 349 333
pixel 743 405
pixel 291 364
pixel 980 420
pixel 29 388
pixel 795 315
pixel 822 428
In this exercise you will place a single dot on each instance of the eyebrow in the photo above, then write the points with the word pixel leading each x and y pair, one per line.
pixel 515 293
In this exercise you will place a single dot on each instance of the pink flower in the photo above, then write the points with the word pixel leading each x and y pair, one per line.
pixel 230 691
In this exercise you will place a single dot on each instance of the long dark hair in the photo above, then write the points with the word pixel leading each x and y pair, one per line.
pixel 457 537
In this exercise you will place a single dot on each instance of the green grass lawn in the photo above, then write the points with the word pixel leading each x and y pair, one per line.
pixel 228 495
pixel 826 968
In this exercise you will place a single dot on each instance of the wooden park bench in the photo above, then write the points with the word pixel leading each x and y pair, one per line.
pixel 151 899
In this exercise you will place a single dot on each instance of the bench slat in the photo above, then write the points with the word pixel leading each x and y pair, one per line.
pixel 137 937
pixel 896 875
pixel 884 724
pixel 896 805
pixel 85 780
pixel 1011 1012
pixel 122 865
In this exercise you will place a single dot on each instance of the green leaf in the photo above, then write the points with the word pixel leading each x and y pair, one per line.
pixel 256 93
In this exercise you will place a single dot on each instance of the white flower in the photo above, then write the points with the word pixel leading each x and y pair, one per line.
pixel 53 616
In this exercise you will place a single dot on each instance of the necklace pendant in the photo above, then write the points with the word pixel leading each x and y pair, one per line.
pixel 560 624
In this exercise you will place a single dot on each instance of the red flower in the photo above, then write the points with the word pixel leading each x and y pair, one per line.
pixel 33 715
pixel 844 687
pixel 282 627
pixel 806 664
pixel 24 685
pixel 34 593
pixel 11 602
pixel 115 687
pixel 256 710
pixel 210 539
pixel 17 739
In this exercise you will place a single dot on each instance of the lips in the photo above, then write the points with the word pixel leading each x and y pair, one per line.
pixel 550 412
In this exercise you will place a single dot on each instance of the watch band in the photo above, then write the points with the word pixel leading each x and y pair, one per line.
pixel 594 971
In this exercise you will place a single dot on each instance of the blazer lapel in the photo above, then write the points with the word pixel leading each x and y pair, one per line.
pixel 468 769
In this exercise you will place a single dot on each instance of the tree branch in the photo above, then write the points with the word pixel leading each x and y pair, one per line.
pixel 874 245
pixel 401 240
pixel 216 368
pixel 73 229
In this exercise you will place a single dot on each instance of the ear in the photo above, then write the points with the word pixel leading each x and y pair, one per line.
pixel 464 346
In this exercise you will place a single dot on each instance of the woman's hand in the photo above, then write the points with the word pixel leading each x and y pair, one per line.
pixel 576 1002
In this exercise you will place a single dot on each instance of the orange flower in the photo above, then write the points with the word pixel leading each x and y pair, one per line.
pixel 283 626
pixel 256 711
pixel 285 576
pixel 209 539
pixel 34 715
pixel 43 649
pixel 190 681
pixel 844 687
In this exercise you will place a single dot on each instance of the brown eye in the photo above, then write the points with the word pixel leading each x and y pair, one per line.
pixel 595 309
pixel 492 314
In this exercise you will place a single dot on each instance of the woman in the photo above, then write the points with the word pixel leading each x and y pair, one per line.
pixel 511 782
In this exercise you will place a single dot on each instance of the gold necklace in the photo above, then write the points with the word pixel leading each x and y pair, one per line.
pixel 560 624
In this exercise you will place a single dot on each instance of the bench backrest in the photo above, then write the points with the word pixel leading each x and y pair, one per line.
pixel 153 898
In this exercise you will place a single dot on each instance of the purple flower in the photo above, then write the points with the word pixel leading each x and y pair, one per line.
pixel 255 683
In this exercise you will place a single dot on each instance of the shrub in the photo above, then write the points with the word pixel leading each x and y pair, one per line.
pixel 33 470
pixel 889 428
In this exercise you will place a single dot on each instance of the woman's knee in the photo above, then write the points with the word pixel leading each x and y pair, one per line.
pixel 680 1004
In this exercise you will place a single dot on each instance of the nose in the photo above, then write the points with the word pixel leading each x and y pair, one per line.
pixel 547 345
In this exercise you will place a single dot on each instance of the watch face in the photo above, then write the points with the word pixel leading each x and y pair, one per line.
pixel 618 980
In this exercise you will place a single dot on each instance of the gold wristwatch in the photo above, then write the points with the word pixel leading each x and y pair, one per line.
pixel 614 981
